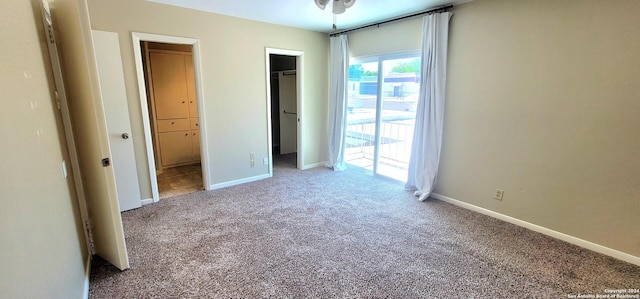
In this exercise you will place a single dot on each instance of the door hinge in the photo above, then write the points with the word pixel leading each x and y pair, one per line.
pixel 57 99
pixel 52 35
pixel 87 228
pixel 106 162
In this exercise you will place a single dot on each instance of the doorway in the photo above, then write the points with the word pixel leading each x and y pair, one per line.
pixel 284 105
pixel 381 109
pixel 283 108
pixel 174 129
pixel 173 109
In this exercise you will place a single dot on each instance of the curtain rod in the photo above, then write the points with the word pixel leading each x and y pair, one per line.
pixel 430 11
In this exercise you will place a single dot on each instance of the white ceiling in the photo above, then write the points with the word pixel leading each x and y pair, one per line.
pixel 306 15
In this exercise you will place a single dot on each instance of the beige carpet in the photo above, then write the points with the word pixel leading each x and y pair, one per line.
pixel 319 233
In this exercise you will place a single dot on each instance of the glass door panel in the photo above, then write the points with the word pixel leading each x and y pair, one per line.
pixel 381 105
pixel 362 99
pixel 399 96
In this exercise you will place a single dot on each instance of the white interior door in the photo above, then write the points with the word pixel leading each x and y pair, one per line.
pixel 288 112
pixel 114 97
pixel 89 125
pixel 61 96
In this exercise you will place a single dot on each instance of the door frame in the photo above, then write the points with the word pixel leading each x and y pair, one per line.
pixel 299 103
pixel 146 122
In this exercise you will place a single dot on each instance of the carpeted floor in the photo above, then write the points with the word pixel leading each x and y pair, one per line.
pixel 319 233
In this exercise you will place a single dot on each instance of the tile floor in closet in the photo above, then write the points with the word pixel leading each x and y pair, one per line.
pixel 180 180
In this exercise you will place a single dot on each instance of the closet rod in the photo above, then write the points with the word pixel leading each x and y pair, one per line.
pixel 430 11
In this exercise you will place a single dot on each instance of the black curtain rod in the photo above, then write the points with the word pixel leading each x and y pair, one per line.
pixel 430 11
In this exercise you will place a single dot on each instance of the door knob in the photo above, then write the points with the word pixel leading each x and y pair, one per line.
pixel 125 136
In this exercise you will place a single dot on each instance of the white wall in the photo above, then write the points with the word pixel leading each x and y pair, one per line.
pixel 401 36
pixel 543 102
pixel 234 83
pixel 41 241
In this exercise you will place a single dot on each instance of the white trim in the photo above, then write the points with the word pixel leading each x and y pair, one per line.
pixel 137 37
pixel 314 165
pixel 202 119
pixel 299 102
pixel 269 135
pixel 543 230
pixel 300 107
pixel 147 201
pixel 87 275
pixel 240 181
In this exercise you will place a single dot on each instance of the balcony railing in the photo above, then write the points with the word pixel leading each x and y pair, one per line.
pixel 396 135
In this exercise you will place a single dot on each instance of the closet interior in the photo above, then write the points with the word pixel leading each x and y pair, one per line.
pixel 173 109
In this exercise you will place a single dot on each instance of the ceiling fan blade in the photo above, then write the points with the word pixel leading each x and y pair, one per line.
pixel 321 3
pixel 349 3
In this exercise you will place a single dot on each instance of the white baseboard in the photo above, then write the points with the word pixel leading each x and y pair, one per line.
pixel 543 230
pixel 147 201
pixel 314 165
pixel 240 181
pixel 87 274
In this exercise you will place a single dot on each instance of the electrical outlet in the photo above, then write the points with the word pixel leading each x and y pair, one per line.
pixel 499 194
pixel 252 163
pixel 265 161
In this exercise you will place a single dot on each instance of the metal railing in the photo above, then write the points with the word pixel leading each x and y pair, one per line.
pixel 396 135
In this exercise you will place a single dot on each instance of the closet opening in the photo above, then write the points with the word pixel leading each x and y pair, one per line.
pixel 173 117
pixel 284 110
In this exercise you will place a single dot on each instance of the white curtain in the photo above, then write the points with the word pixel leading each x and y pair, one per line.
pixel 427 137
pixel 338 101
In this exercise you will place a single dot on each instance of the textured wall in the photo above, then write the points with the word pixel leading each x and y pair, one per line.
pixel 543 101
pixel 42 245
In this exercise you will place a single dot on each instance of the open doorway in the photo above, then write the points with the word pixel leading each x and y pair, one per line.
pixel 285 83
pixel 173 114
pixel 284 109
pixel 192 123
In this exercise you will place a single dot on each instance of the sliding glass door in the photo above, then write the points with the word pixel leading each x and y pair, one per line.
pixel 381 109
